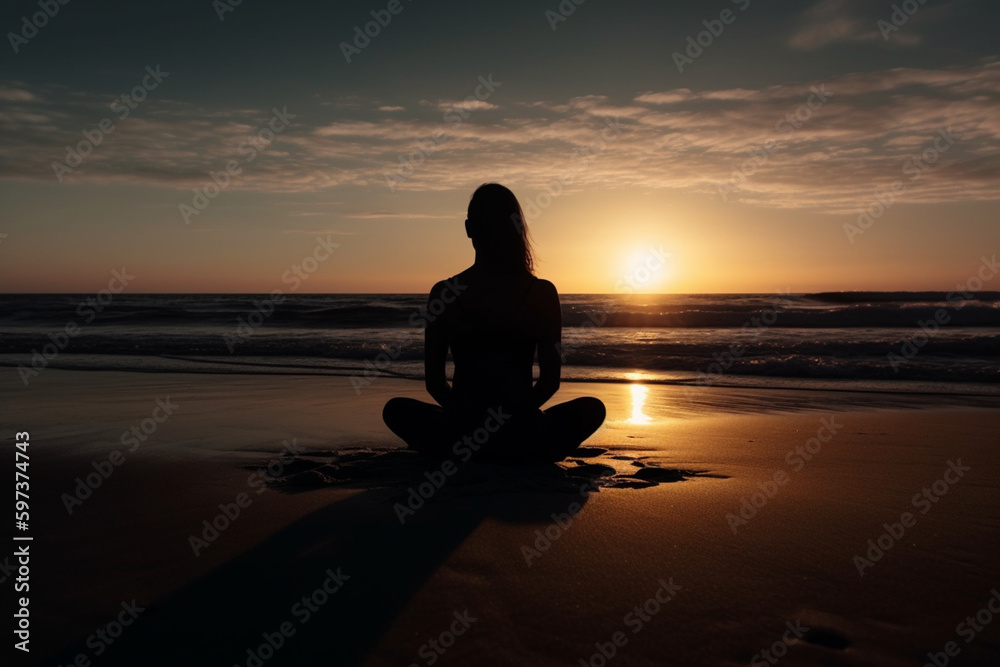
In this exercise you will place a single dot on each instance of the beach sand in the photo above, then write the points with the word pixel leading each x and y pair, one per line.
pixel 548 566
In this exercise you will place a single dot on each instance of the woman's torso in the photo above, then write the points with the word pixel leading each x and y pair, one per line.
pixel 493 332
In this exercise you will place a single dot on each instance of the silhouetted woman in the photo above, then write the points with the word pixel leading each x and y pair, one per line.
pixel 494 316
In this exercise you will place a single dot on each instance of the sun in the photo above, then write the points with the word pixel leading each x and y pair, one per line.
pixel 646 270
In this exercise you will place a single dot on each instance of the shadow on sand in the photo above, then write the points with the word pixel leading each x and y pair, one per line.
pixel 218 617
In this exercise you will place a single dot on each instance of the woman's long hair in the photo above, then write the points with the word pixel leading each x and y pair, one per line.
pixel 497 227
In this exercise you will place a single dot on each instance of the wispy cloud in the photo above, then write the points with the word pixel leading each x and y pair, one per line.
pixel 676 139
pixel 831 21
pixel 15 93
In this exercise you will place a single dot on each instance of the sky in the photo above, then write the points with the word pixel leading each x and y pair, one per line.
pixel 747 146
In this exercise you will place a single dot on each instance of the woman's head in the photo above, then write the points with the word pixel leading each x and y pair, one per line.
pixel 497 228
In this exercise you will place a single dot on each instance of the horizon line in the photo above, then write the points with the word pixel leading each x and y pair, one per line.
pixel 864 291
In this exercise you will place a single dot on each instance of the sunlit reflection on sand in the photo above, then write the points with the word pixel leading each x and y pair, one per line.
pixel 639 394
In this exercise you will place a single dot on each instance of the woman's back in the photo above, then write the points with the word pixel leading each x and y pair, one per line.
pixel 493 330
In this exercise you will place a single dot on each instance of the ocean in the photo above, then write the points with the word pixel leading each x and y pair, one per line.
pixel 893 341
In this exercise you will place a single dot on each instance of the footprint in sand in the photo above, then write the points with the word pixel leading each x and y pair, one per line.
pixel 367 468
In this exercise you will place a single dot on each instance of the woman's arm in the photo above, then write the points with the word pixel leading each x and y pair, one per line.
pixel 436 352
pixel 550 335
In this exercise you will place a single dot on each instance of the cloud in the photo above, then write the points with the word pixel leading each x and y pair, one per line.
pixel 674 96
pixel 831 21
pixel 835 21
pixel 13 93
pixel 465 105
pixel 823 155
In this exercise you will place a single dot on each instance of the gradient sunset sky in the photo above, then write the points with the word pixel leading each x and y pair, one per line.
pixel 636 153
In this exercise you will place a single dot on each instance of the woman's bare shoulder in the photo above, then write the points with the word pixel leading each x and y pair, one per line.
pixel 449 288
pixel 545 288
